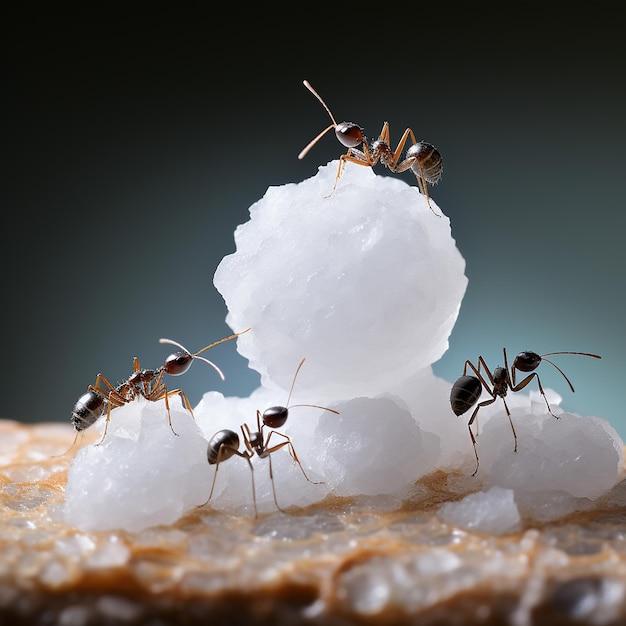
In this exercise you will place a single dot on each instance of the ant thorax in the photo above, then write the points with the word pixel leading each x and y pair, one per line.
pixel 500 381
pixel 381 150
pixel 256 440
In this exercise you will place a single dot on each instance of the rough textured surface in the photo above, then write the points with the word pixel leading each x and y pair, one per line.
pixel 366 284
pixel 344 561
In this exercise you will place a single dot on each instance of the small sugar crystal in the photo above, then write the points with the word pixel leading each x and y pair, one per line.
pixel 493 511
pixel 372 447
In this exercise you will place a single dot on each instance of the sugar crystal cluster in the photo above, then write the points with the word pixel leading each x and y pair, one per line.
pixel 366 283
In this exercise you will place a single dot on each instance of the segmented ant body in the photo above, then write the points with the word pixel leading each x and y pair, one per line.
pixel 102 397
pixel 467 390
pixel 422 158
pixel 225 443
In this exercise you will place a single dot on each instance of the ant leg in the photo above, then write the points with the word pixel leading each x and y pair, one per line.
pixel 167 407
pixel 479 375
pixel 136 364
pixel 423 185
pixel 102 379
pixel 483 363
pixel 352 156
pixel 247 457
pixel 258 420
pixel 184 399
pixel 508 414
pixel 217 467
pixel 525 382
pixel 106 423
pixel 245 431
pixel 384 134
pixel 469 427
pixel 293 453
pixel 269 458
pixel 398 151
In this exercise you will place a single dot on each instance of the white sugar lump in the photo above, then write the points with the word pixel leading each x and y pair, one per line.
pixel 366 284
pixel 142 475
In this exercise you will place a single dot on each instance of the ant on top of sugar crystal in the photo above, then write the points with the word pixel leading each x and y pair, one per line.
pixel 467 389
pixel 146 383
pixel 422 158
pixel 225 443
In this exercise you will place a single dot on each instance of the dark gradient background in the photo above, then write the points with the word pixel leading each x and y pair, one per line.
pixel 133 148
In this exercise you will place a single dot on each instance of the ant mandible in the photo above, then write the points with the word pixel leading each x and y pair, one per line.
pixel 467 389
pixel 422 158
pixel 147 383
pixel 225 443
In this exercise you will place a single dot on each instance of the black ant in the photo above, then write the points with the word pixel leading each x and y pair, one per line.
pixel 147 383
pixel 422 158
pixel 225 443
pixel 467 389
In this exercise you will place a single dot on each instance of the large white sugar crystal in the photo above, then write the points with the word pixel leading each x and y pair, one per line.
pixel 233 491
pixel 366 284
pixel 493 511
pixel 579 456
pixel 142 475
pixel 373 447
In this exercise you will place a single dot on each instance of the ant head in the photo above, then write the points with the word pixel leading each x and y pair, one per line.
pixel 275 416
pixel 177 363
pixel 527 361
pixel 350 134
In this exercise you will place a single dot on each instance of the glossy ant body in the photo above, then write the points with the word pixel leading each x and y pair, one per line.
pixel 225 443
pixel 422 158
pixel 103 397
pixel 467 389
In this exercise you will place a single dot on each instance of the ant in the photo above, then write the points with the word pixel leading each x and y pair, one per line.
pixel 467 389
pixel 225 443
pixel 422 158
pixel 147 383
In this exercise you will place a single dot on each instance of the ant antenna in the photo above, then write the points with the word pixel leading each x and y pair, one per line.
pixel 561 371
pixel 593 356
pixel 293 382
pixel 308 86
pixel 313 142
pixel 195 355
pixel 316 406
pixel 312 406
pixel 306 149
pixel 543 356
pixel 219 341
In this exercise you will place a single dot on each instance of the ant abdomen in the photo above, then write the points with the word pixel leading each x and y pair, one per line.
pixel 464 394
pixel 88 408
pixel 222 446
pixel 428 161
pixel 275 416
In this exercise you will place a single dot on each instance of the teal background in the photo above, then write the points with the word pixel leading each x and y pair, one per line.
pixel 134 146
